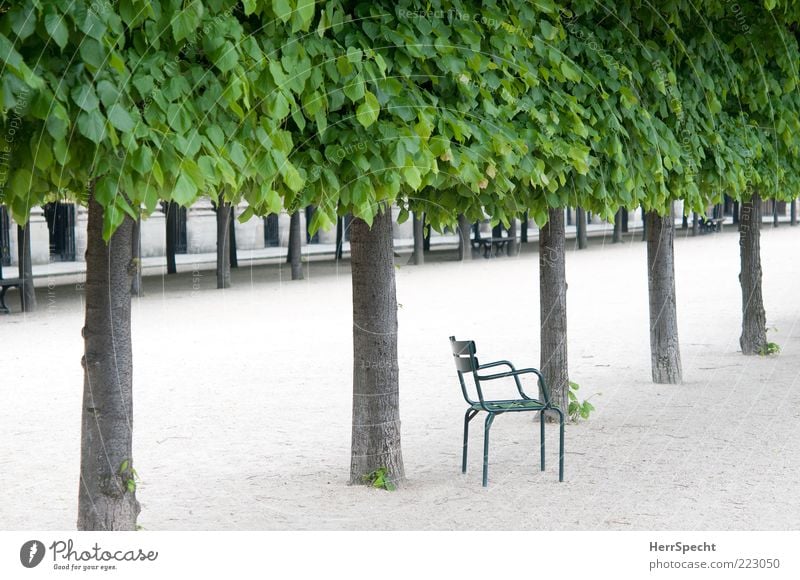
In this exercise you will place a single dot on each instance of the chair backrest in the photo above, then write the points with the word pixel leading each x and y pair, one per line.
pixel 466 362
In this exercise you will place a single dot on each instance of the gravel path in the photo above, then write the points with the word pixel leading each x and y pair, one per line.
pixel 242 400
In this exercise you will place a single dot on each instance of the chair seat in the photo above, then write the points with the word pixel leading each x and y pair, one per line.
pixel 516 405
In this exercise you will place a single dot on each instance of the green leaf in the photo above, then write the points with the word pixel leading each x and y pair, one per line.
pixel 280 106
pixel 92 126
pixel 282 9
pixel 142 160
pixel 291 177
pixel 226 57
pixel 105 190
pixel 412 177
pixel 570 72
pixel 121 119
pixel 305 10
pixel 57 29
pixel 185 23
pixel 20 182
pixel 185 191
pixel 44 156
pixel 92 53
pixel 85 97
pixel 249 6
pixel 367 112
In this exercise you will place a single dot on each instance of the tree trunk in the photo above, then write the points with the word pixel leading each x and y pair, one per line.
pixel 580 223
pixel 171 220
pixel 223 249
pixel 512 248
pixel 464 244
pixel 26 290
pixel 339 237
pixel 644 224
pixel 665 352
pixel 232 239
pixel 295 247
pixel 695 223
pixel 107 496
pixel 523 234
pixel 775 220
pixel 624 220
pixel 685 222
pixel 376 393
pixel 736 212
pixel 136 252
pixel 617 237
pixel 426 236
pixel 418 255
pixel 553 308
pixel 793 212
pixel 754 323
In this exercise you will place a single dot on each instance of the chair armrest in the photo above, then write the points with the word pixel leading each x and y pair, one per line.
pixel 512 373
pixel 497 363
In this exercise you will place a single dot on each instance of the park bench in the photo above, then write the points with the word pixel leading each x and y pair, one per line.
pixel 467 363
pixel 488 244
pixel 5 284
pixel 711 225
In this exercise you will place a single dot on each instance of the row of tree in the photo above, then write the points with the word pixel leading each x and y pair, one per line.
pixel 455 109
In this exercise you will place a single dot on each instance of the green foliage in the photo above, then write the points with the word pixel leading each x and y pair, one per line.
pixel 578 409
pixel 770 348
pixel 380 479
pixel 129 476
pixel 444 107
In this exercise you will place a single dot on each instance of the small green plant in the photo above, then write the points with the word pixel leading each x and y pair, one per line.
pixel 129 476
pixel 770 348
pixel 380 479
pixel 578 409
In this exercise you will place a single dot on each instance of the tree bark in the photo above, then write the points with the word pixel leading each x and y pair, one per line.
pixel 27 291
pixel 617 237
pixel 665 355
pixel 523 234
pixel 464 244
pixel 793 212
pixel 232 239
pixel 775 213
pixel 754 322
pixel 171 220
pixel 105 501
pixel 580 224
pixel 736 212
pixel 512 248
pixel 418 255
pixel 553 308
pixel 376 393
pixel 136 252
pixel 295 247
pixel 224 211
pixel 339 237
pixel 624 220
pixel 695 223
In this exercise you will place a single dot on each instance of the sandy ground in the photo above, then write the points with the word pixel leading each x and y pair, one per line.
pixel 242 400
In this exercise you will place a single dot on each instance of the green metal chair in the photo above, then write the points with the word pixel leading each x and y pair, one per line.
pixel 467 362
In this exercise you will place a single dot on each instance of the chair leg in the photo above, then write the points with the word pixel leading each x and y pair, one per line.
pixel 541 436
pixel 489 420
pixel 468 416
pixel 560 445
pixel 3 307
